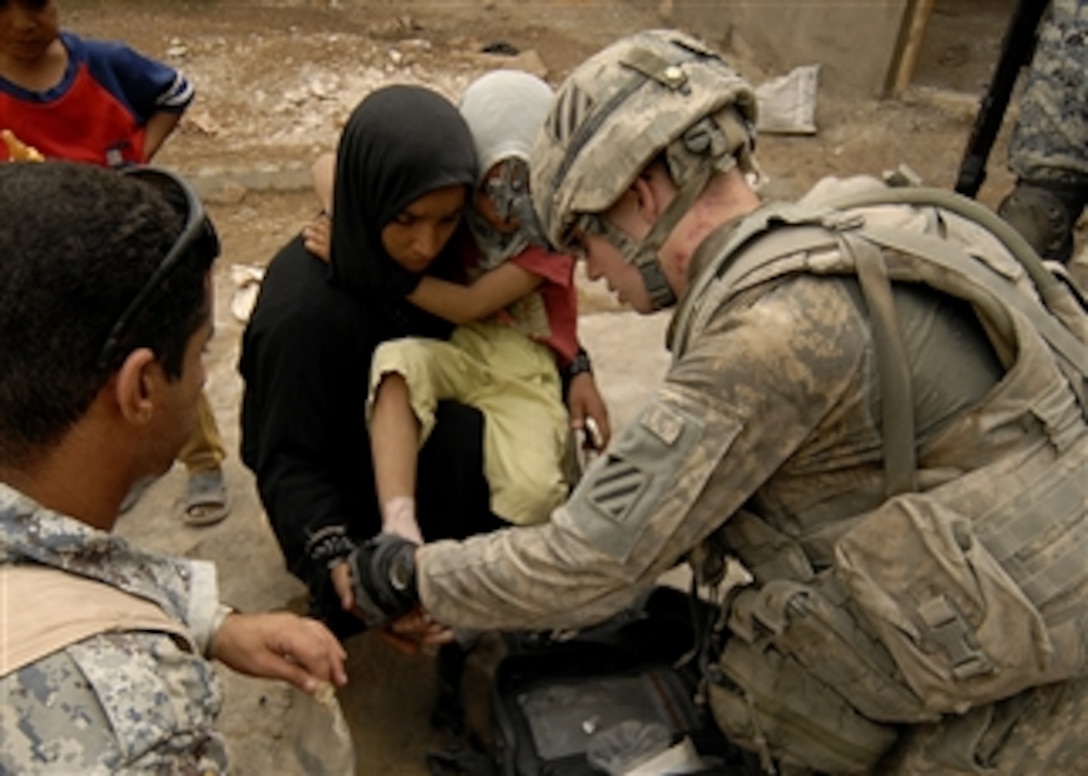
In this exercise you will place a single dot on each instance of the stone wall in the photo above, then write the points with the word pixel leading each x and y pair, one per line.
pixel 854 41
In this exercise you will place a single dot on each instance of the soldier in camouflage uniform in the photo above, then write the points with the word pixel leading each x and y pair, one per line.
pixel 901 468
pixel 1049 147
pixel 105 649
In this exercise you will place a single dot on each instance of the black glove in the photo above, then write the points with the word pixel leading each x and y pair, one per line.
pixel 383 578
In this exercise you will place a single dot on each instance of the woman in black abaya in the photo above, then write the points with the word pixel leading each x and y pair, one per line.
pixel 404 169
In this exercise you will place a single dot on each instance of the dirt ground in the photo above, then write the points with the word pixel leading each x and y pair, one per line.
pixel 276 80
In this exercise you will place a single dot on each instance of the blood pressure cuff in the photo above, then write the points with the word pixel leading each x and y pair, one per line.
pixel 383 579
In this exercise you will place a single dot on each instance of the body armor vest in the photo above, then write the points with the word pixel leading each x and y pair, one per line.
pixel 948 596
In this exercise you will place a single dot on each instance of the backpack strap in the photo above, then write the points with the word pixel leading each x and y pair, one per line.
pixel 893 367
pixel 950 258
pixel 789 230
pixel 732 253
pixel 1054 295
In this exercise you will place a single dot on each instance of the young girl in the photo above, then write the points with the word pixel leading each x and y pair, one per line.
pixel 517 325
pixel 405 168
pixel 516 341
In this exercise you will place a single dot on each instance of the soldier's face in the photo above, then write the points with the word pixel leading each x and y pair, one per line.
pixel 180 399
pixel 624 280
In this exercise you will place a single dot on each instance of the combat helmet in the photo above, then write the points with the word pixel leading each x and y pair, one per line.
pixel 653 93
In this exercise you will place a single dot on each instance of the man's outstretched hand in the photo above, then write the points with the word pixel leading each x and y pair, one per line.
pixel 280 645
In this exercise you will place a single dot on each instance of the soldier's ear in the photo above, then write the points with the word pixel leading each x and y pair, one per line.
pixel 647 198
pixel 134 386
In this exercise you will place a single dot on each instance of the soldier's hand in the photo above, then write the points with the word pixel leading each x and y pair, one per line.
pixel 416 631
pixel 280 645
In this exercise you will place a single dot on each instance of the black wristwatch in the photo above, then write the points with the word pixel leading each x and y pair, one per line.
pixel 580 365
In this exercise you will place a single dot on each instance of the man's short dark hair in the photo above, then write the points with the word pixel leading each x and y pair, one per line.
pixel 77 243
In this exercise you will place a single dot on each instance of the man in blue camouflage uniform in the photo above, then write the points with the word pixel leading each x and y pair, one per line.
pixel 105 300
pixel 1048 151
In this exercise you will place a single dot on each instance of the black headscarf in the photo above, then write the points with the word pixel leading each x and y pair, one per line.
pixel 400 143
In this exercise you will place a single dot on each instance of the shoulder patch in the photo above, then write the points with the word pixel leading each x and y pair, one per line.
pixel 651 475
pixel 616 488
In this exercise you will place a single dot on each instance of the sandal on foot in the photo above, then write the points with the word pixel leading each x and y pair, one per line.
pixel 206 500
pixel 135 493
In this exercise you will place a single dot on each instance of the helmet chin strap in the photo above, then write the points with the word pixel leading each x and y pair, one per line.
pixel 644 254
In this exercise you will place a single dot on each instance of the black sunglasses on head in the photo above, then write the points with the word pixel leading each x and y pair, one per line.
pixel 198 234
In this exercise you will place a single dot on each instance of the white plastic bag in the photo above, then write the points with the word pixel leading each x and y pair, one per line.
pixel 787 105
pixel 323 742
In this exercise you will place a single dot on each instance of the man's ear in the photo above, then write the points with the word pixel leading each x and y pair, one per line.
pixel 135 386
pixel 646 199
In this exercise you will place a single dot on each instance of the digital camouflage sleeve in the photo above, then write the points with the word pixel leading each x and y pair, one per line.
pixel 1050 140
pixel 114 703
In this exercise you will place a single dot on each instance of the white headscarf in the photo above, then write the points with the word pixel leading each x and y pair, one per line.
pixel 504 110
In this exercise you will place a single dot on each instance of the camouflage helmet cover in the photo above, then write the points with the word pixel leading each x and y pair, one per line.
pixel 621 108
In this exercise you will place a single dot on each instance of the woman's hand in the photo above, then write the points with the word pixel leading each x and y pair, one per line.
pixel 341 583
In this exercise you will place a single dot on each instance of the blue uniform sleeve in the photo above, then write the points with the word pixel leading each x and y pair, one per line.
pixel 144 85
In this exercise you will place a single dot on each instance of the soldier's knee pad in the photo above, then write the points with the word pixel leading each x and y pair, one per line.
pixel 1045 216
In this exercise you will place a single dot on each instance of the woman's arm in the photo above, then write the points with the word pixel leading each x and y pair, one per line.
pixel 302 408
pixel 491 292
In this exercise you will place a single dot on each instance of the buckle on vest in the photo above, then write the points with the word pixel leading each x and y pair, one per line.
pixel 946 626
pixel 842 221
